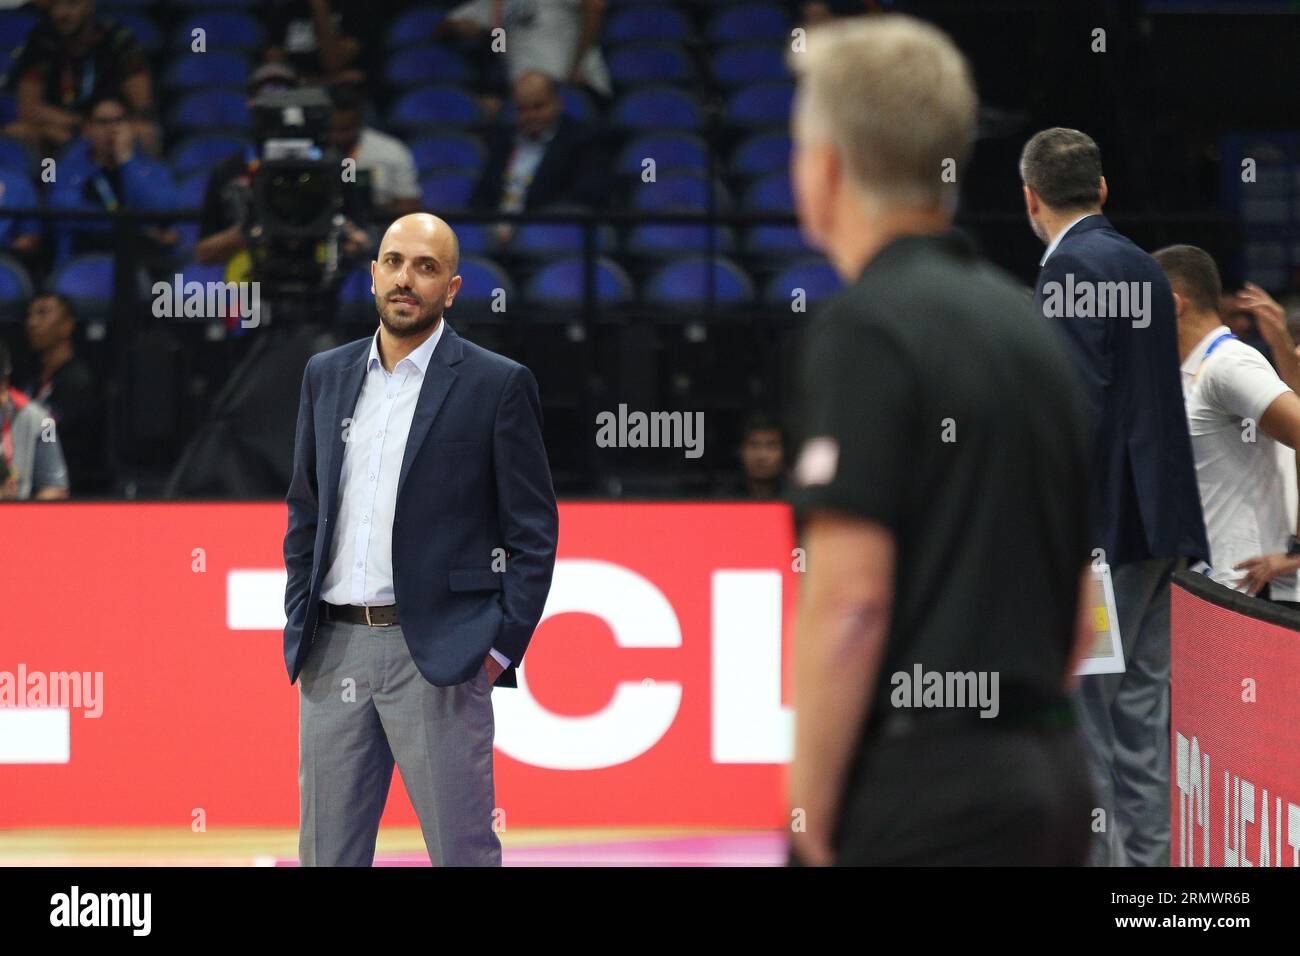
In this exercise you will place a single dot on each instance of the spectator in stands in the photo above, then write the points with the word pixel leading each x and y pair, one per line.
pixel 65 385
pixel 547 159
pixel 394 181
pixel 560 38
pixel 109 174
pixel 323 40
pixel 1228 388
pixel 762 460
pixel 31 461
pixel 73 58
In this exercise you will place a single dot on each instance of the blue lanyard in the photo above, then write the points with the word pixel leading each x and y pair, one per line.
pixel 1215 344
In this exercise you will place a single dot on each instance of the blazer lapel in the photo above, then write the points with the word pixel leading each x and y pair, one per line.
pixel 348 379
pixel 433 392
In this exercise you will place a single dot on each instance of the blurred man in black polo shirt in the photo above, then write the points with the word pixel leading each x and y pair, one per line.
pixel 940 488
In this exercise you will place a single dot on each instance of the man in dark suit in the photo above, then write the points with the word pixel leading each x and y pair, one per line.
pixel 1113 306
pixel 546 159
pixel 420 547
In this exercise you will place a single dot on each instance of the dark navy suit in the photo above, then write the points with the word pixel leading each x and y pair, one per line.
pixel 1147 502
pixel 474 479
pixel 1147 517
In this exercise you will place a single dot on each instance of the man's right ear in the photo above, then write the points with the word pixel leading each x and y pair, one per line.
pixel 1180 306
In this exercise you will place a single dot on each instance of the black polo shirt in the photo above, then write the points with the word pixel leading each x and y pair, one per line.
pixel 937 404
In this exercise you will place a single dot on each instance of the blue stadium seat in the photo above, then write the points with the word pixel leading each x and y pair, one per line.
pixel 210 109
pixel 480 278
pixel 776 242
pixel 761 104
pixel 654 107
pixel 356 301
pixel 772 193
pixel 562 285
pixel 413 26
pixel 669 240
pixel 192 188
pixel 762 153
pixel 427 106
pixel 190 71
pixel 475 238
pixel 669 150
pixel 15 290
pixel 447 189
pixel 428 63
pixel 88 281
pixel 815 276
pixel 638 63
pixel 144 29
pixel 223 30
pixel 203 151
pixel 749 21
pixel 443 150
pixel 750 62
pixel 686 284
pixel 14 27
pixel 17 155
pixel 17 191
pixel 551 240
pixel 680 191
pixel 647 22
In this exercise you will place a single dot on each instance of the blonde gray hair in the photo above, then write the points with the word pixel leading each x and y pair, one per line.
pixel 895 97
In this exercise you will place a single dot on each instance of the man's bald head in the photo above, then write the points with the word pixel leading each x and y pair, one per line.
pixel 425 227
pixel 537 103
pixel 414 279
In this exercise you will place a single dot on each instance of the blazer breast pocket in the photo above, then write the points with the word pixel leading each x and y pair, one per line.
pixel 474 579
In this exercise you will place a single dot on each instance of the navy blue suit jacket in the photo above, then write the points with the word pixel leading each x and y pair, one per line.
pixel 1147 504
pixel 474 478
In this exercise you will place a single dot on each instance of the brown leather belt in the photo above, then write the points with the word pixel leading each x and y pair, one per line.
pixel 385 616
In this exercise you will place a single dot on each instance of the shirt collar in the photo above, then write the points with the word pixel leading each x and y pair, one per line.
pixel 1056 240
pixel 1197 355
pixel 419 358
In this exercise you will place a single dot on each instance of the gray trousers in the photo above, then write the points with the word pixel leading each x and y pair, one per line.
pixel 1125 723
pixel 364 705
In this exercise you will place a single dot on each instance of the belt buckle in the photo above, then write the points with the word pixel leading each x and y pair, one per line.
pixel 371 623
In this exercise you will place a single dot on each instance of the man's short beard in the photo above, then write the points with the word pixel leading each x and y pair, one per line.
pixel 423 322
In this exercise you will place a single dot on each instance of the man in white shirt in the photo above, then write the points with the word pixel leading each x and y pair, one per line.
pixel 560 38
pixel 1238 410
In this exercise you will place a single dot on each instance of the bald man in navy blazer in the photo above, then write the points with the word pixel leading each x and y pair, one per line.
pixel 420 548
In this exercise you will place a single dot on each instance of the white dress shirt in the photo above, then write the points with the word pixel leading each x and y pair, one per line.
pixel 1242 483
pixel 1056 239
pixel 360 566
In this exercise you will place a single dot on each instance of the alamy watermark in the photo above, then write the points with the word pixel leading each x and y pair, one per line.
pixel 208 300
pixel 1086 299
pixel 74 690
pixel 945 689
pixel 626 429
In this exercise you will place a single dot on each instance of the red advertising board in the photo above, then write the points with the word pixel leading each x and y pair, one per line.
pixel 143 642
pixel 1235 737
